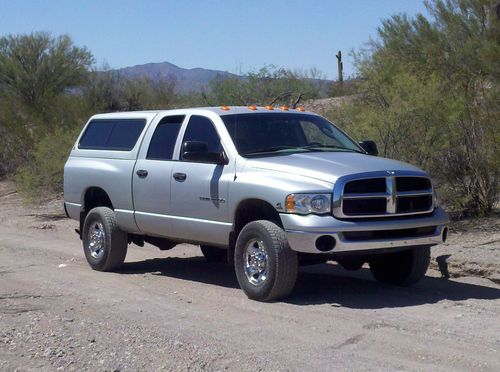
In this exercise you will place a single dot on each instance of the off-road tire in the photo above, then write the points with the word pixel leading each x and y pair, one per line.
pixel 115 240
pixel 282 261
pixel 403 268
pixel 214 254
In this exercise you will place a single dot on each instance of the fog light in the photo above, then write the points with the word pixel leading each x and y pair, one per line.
pixel 325 243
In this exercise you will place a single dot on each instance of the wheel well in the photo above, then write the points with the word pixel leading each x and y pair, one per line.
pixel 96 197
pixel 252 210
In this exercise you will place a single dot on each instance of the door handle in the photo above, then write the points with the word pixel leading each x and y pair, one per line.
pixel 181 177
pixel 142 173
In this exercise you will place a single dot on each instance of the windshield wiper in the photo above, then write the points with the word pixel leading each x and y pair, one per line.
pixel 273 149
pixel 314 147
pixel 308 148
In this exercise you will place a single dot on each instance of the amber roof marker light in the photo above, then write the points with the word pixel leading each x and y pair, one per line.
pixel 284 108
pixel 301 108
pixel 269 107
pixel 252 107
pixel 225 108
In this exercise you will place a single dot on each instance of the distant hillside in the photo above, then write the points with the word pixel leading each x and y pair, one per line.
pixel 193 79
pixel 187 80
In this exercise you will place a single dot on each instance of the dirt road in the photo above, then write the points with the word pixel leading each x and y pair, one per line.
pixel 172 310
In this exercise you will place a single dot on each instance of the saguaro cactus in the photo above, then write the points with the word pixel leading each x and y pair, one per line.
pixel 340 66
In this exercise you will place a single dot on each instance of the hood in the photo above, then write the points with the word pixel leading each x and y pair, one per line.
pixel 328 166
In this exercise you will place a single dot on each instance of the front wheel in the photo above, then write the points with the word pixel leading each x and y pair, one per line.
pixel 104 244
pixel 403 268
pixel 265 265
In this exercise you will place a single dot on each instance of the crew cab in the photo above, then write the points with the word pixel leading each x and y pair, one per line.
pixel 263 188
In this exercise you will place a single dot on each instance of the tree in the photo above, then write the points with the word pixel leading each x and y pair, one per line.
pixel 429 94
pixel 37 75
pixel 36 68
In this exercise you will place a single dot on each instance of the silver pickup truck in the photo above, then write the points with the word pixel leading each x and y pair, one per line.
pixel 263 188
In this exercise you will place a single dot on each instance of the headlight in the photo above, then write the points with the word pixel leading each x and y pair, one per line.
pixel 308 203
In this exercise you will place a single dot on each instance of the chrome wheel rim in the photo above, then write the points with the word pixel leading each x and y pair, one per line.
pixel 96 240
pixel 256 261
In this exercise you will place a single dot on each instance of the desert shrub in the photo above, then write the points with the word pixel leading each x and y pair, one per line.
pixel 347 87
pixel 429 95
pixel 269 85
pixel 37 67
pixel 38 77
pixel 110 91
pixel 16 136
pixel 42 175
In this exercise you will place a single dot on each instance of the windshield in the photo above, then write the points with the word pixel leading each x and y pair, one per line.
pixel 284 133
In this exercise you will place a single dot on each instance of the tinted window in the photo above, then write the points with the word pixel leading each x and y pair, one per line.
pixel 96 135
pixel 202 129
pixel 164 138
pixel 315 133
pixel 281 133
pixel 119 134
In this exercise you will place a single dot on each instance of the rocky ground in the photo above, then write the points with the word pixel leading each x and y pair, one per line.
pixel 473 249
pixel 172 310
pixel 321 106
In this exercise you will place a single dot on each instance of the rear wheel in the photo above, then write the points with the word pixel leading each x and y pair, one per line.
pixel 403 268
pixel 214 254
pixel 265 265
pixel 104 244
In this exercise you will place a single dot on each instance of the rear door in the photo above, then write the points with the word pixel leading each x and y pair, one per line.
pixel 152 175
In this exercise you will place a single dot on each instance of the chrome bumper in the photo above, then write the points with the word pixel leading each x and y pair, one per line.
pixel 303 231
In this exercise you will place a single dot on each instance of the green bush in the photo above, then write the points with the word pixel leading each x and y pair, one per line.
pixel 42 176
pixel 429 95
pixel 269 85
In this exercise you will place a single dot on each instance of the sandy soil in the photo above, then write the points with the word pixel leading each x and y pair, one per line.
pixel 473 249
pixel 172 310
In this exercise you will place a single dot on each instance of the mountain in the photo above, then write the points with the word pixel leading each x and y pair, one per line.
pixel 193 79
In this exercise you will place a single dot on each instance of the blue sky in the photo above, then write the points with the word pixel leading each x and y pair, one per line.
pixel 235 36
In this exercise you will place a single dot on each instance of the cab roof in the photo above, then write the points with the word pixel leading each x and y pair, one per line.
pixel 221 111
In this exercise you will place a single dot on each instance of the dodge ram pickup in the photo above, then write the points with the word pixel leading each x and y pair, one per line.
pixel 263 188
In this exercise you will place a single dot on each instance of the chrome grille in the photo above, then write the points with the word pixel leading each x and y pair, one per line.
pixel 382 195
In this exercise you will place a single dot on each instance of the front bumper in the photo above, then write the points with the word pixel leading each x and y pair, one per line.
pixel 303 232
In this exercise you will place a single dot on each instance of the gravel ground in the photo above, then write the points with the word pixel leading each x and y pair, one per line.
pixel 172 310
pixel 473 249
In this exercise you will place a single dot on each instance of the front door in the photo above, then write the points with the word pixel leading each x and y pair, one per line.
pixel 199 190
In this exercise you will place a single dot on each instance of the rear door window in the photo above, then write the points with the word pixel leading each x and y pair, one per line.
pixel 164 138
pixel 112 134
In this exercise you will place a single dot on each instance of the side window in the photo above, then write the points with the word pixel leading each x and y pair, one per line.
pixel 163 141
pixel 112 134
pixel 202 129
